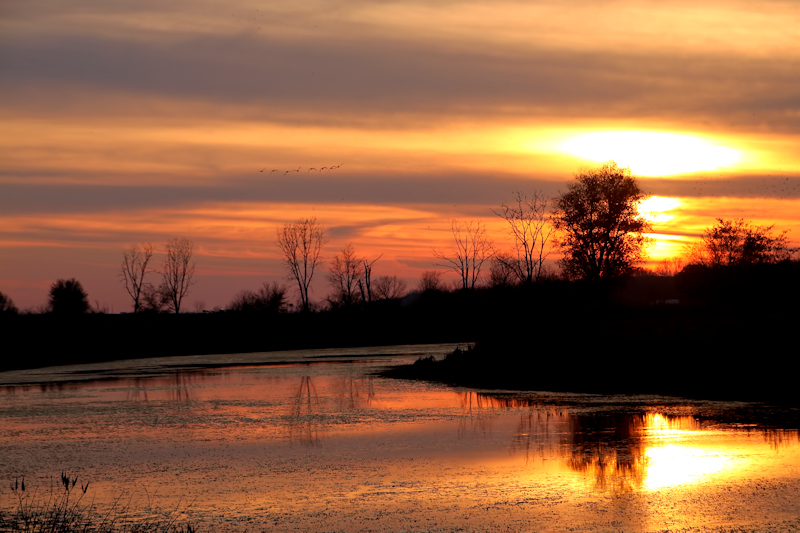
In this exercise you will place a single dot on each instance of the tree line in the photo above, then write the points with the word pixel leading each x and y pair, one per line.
pixel 174 278
pixel 595 224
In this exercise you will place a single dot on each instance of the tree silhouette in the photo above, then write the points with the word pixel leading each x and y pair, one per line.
pixel 154 299
pixel 602 231
pixel 67 297
pixel 133 270
pixel 431 281
pixel 390 287
pixel 7 305
pixel 503 270
pixel 366 286
pixel 472 248
pixel 345 273
pixel 737 243
pixel 178 272
pixel 735 260
pixel 301 244
pixel 531 228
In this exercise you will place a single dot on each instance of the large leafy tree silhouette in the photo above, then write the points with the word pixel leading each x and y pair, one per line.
pixel 602 232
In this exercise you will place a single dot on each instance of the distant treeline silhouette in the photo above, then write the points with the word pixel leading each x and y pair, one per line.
pixel 595 225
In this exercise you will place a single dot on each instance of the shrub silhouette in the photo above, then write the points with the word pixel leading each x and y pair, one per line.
pixel 67 297
pixel 269 299
pixel 7 305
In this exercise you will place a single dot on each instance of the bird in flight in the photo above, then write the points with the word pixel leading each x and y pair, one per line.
pixel 315 169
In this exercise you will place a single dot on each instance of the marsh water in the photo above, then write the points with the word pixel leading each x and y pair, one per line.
pixel 315 441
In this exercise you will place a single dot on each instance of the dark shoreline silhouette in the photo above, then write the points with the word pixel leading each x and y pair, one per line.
pixel 696 351
pixel 735 342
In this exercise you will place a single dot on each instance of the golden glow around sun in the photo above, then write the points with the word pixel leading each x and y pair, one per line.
pixel 651 153
pixel 654 208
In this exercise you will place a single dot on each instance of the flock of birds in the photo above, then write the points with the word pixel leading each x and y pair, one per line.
pixel 321 169
pixel 777 187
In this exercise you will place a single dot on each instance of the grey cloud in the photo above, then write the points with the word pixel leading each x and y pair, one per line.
pixel 367 76
pixel 469 195
pixel 461 190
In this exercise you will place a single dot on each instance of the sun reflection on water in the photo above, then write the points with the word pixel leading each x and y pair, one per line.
pixel 677 464
pixel 669 457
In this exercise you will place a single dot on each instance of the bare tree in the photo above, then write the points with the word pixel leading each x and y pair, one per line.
pixel 366 286
pixel 301 244
pixel 390 287
pixel 154 299
pixel 345 275
pixel 669 267
pixel 178 272
pixel 133 270
pixel 530 225
pixel 473 248
pixel 503 270
pixel 431 281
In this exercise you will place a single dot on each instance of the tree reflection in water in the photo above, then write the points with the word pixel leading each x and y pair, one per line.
pixel 540 433
pixel 609 448
pixel 137 390
pixel 181 382
pixel 177 387
pixel 779 438
pixel 305 425
pixel 353 392
pixel 476 408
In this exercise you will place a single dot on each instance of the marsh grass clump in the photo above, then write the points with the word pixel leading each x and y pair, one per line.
pixel 62 510
pixel 458 354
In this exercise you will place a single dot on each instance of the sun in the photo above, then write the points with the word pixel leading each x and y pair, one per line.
pixel 650 153
pixel 654 208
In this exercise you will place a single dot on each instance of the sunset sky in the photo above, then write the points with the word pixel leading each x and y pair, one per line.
pixel 140 121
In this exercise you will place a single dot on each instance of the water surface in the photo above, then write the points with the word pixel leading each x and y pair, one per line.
pixel 314 441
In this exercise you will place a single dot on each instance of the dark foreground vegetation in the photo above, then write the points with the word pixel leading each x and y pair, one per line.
pixel 62 509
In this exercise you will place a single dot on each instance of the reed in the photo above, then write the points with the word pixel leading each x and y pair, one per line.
pixel 62 510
